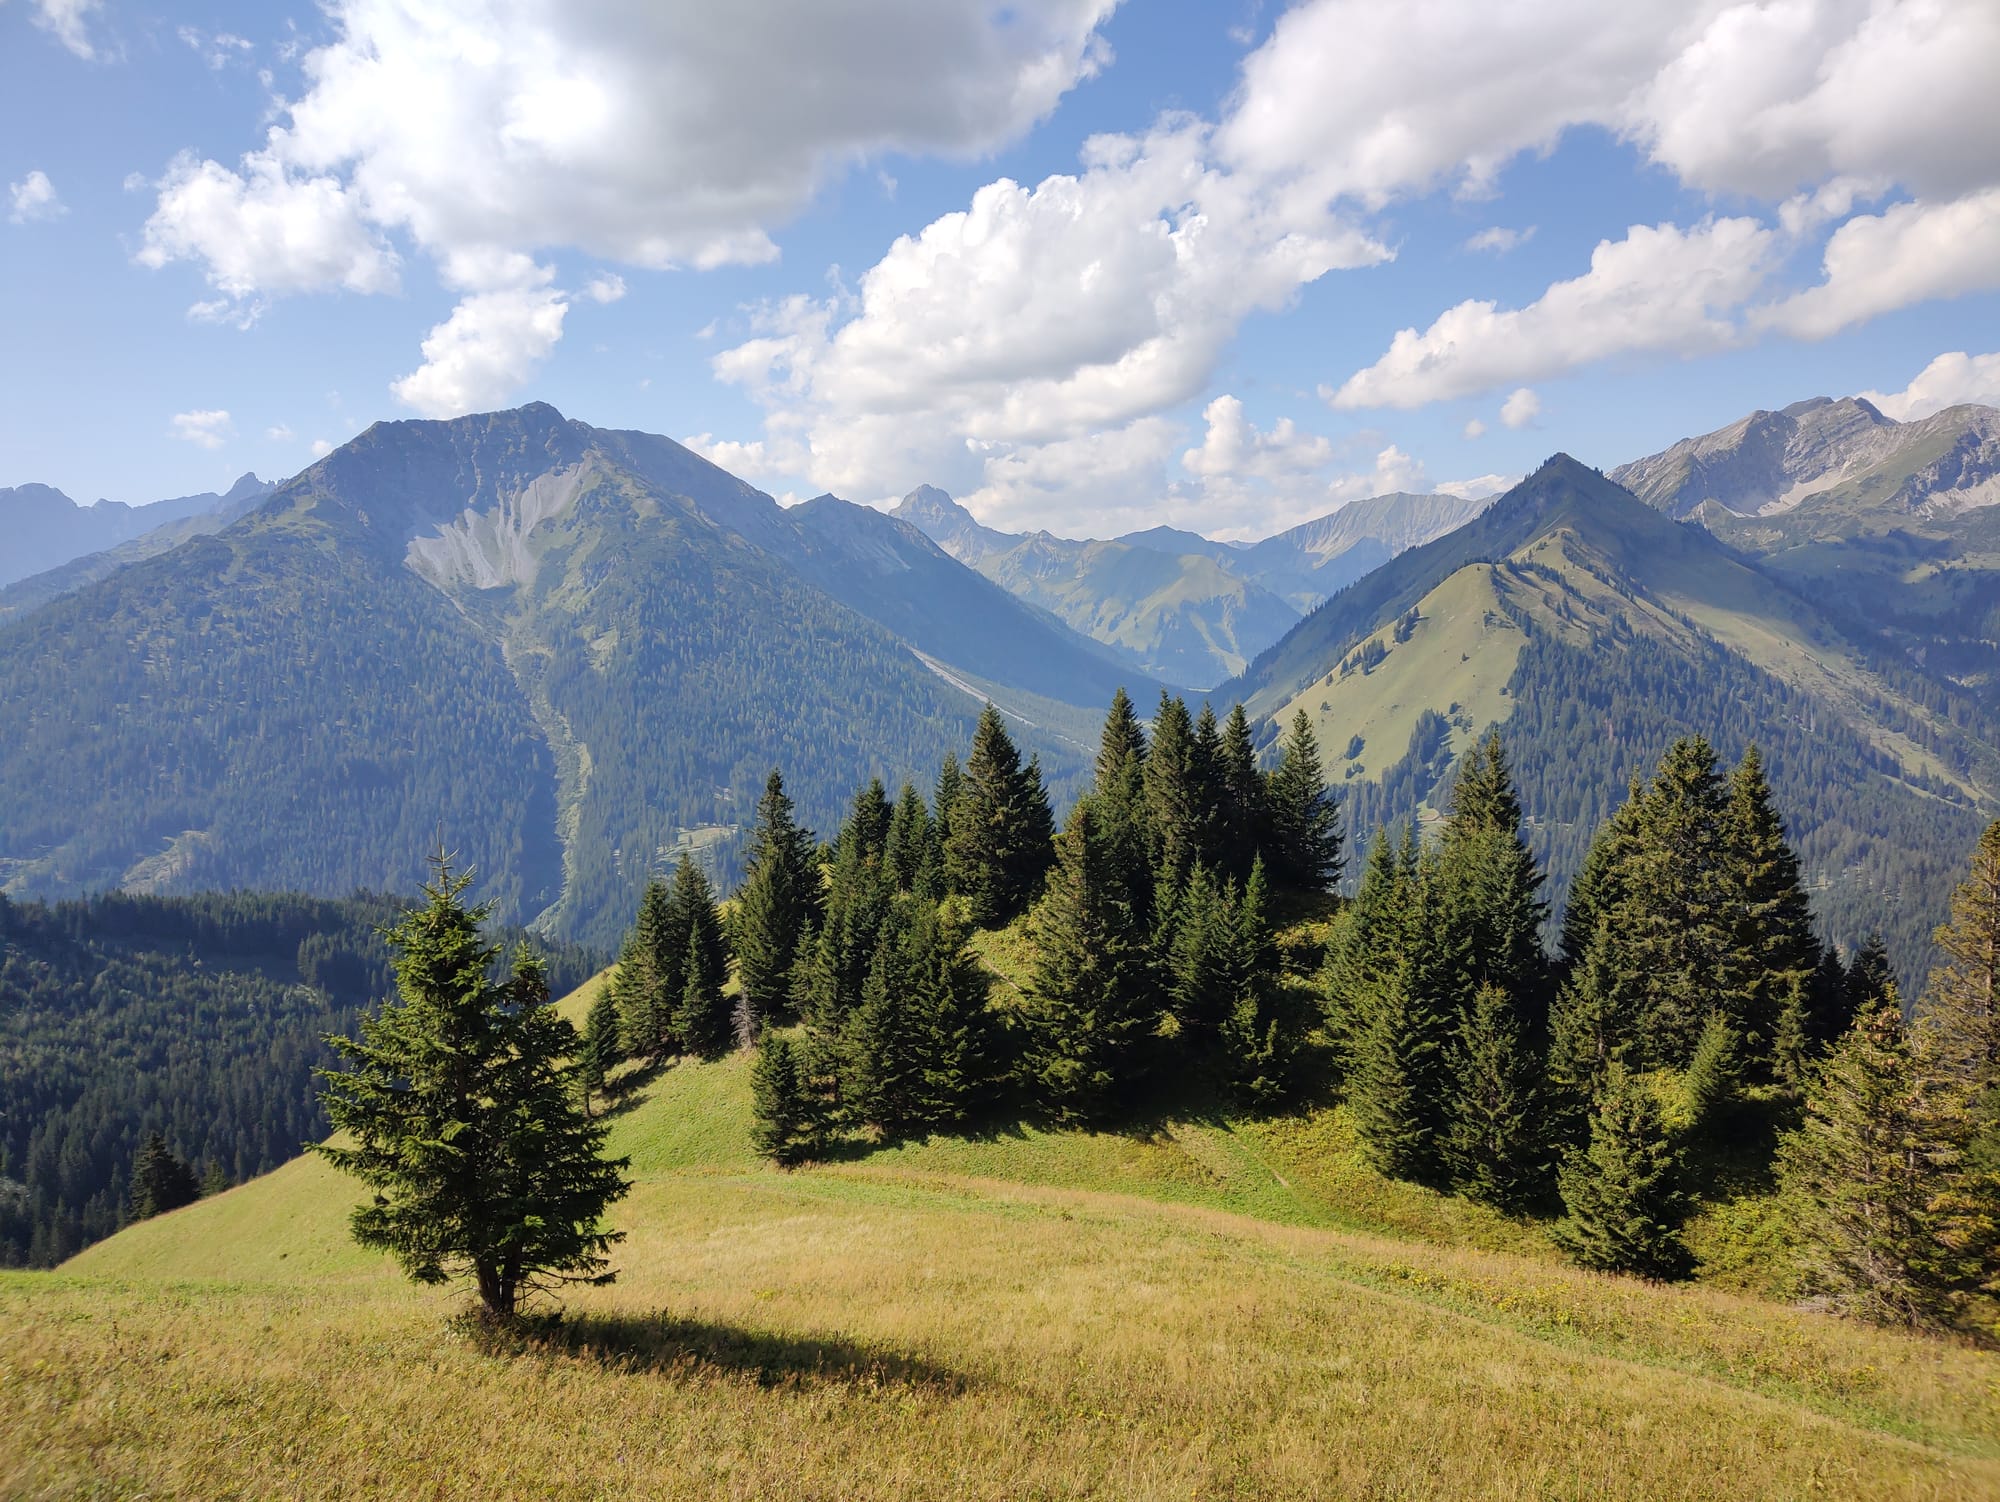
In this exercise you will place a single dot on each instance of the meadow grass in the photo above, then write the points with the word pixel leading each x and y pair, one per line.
pixel 1204 1309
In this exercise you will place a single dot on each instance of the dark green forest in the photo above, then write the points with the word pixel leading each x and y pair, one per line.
pixel 197 1018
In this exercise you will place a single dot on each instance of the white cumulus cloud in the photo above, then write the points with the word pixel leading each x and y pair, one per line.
pixel 1950 380
pixel 1659 289
pixel 1045 315
pixel 266 229
pixel 1521 408
pixel 209 428
pixel 650 135
pixel 1732 96
pixel 1910 253
pixel 480 355
pixel 34 198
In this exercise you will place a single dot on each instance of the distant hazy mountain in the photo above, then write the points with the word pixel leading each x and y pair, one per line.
pixel 1320 558
pixel 1893 526
pixel 1592 630
pixel 1173 603
pixel 43 529
pixel 567 651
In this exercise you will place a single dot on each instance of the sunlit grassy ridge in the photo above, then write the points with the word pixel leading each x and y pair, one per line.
pixel 1205 1308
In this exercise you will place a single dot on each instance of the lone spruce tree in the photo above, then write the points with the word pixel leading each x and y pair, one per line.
pixel 1623 1193
pixel 463 1108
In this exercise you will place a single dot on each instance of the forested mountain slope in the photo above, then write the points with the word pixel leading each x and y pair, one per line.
pixel 1593 631
pixel 199 1018
pixel 570 651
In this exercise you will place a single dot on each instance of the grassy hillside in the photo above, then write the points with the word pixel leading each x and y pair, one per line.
pixel 1204 1309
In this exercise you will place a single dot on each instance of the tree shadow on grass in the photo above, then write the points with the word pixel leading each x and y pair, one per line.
pixel 670 1345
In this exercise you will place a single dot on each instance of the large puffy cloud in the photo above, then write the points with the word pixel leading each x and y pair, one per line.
pixel 642 133
pixel 1074 310
pixel 1658 289
pixel 500 331
pixel 1809 104
pixel 1948 381
pixel 265 229
pixel 1876 263
pixel 1738 96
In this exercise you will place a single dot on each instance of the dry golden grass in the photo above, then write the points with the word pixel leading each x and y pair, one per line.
pixel 1035 1315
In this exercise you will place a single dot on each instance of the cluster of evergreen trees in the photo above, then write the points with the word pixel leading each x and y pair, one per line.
pixel 1149 917
pixel 1691 1022
pixel 1689 977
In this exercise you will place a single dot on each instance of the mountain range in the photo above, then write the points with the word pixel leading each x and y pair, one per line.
pixel 45 529
pixel 567 651
pixel 1177 605
pixel 572 652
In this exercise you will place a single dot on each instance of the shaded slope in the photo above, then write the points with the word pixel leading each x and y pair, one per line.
pixel 892 573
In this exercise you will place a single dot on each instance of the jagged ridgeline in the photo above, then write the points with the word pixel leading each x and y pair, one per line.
pixel 198 1018
pixel 572 652
pixel 1594 631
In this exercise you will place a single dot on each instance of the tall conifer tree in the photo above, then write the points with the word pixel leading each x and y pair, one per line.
pixel 1772 953
pixel 1118 794
pixel 777 904
pixel 1868 1172
pixel 1088 1007
pixel 646 985
pixel 1397 1089
pixel 998 848
pixel 1244 817
pixel 909 860
pixel 1499 1150
pixel 1173 783
pixel 1305 853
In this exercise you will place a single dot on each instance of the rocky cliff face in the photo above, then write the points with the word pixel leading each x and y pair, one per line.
pixel 1770 463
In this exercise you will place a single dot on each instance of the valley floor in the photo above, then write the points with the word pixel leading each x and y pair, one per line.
pixel 1202 1313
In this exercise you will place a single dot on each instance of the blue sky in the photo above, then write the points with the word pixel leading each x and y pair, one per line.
pixel 1087 266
